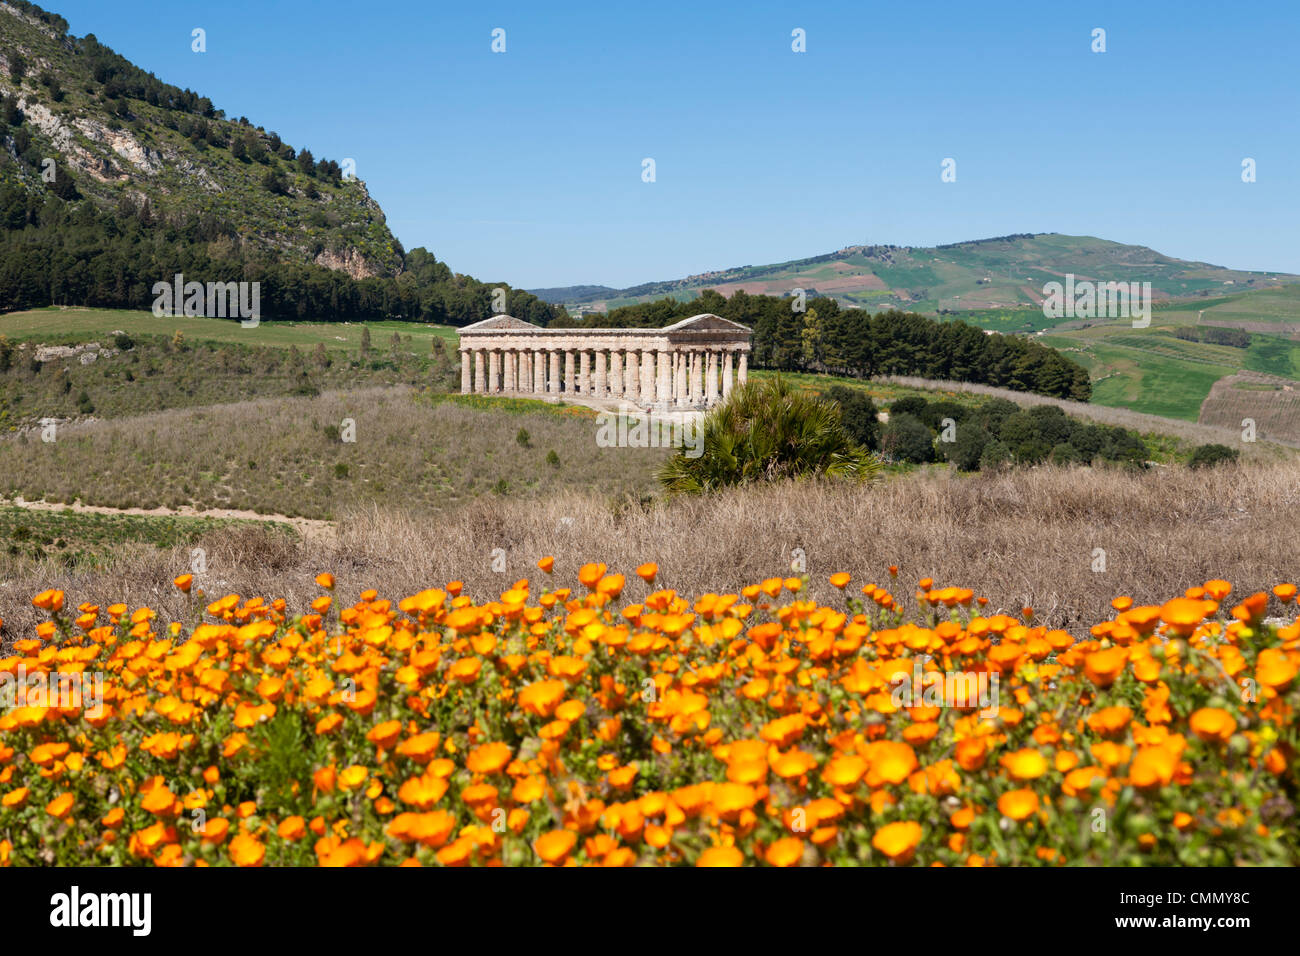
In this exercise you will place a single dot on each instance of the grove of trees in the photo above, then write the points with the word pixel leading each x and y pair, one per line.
pixel 853 342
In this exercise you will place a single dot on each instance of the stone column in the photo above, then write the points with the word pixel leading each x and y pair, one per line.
pixel 697 377
pixel 599 388
pixel 525 383
pixel 711 391
pixel 743 375
pixel 663 377
pixel 512 370
pixel 726 374
pixel 616 374
pixel 570 376
pixel 631 377
pixel 683 378
pixel 553 386
pixel 480 380
pixel 584 372
pixel 494 371
pixel 464 372
pixel 648 377
pixel 539 371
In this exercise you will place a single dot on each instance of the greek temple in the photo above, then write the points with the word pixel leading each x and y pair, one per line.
pixel 691 364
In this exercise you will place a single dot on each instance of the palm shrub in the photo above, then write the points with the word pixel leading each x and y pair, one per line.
pixel 765 431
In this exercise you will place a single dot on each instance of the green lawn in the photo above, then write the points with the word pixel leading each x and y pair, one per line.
pixel 52 324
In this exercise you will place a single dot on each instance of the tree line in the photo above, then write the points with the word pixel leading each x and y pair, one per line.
pixel 852 342
pixel 64 252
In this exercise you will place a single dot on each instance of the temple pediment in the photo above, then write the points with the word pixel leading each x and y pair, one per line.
pixel 706 322
pixel 500 323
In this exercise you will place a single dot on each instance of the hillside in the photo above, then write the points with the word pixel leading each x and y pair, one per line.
pixel 112 179
pixel 118 133
pixel 1002 273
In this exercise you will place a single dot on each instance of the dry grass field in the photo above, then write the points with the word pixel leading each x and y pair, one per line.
pixel 291 456
pixel 1026 537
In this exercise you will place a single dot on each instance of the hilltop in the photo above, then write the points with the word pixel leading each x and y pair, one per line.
pixel 1006 272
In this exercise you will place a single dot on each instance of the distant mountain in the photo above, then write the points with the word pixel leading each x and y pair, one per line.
pixel 1002 273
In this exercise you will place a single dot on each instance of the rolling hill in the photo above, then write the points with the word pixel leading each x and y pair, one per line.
pixel 1005 273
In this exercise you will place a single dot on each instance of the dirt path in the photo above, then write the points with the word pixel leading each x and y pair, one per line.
pixel 307 527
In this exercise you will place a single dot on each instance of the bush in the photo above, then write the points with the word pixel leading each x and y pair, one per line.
pixel 765 431
pixel 995 456
pixel 965 452
pixel 1052 424
pixel 553 459
pixel 904 438
pixel 1065 454
pixel 858 414
pixel 1126 447
pixel 523 438
pixel 123 342
pixel 1033 451
pixel 1206 456
pixel 908 405
pixel 934 413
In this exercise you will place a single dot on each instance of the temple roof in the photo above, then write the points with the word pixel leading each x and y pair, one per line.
pixel 500 323
pixel 704 322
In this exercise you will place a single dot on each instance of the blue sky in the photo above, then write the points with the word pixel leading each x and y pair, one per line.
pixel 525 166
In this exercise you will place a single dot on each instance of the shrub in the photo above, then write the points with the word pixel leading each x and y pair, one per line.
pixel 1126 447
pixel 766 430
pixel 523 438
pixel 908 405
pixel 340 470
pixel 904 438
pixel 965 452
pixel 1033 451
pixel 553 459
pixel 1065 454
pixel 934 413
pixel 858 414
pixel 123 342
pixel 994 412
pixel 1052 424
pixel 995 456
pixel 1206 456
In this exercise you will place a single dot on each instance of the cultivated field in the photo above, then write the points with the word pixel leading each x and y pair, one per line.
pixel 1273 403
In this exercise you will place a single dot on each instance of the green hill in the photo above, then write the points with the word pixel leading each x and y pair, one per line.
pixel 1006 273
pixel 118 134
pixel 112 180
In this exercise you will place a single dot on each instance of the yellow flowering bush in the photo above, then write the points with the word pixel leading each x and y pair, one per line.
pixel 578 725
